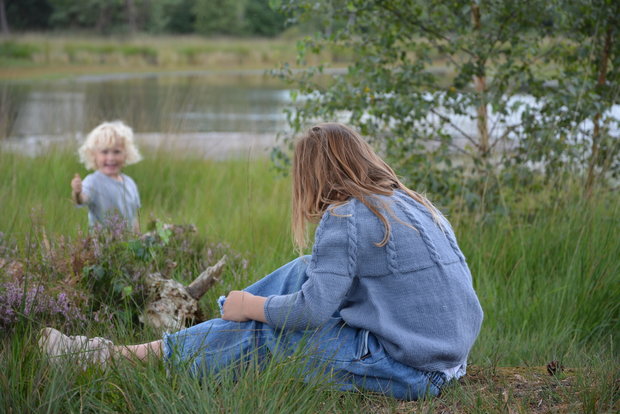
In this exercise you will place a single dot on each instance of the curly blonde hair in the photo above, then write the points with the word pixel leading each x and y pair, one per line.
pixel 332 163
pixel 107 135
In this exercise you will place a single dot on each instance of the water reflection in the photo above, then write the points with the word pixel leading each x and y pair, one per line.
pixel 213 114
pixel 163 109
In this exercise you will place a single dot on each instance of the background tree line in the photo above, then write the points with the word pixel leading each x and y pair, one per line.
pixel 207 17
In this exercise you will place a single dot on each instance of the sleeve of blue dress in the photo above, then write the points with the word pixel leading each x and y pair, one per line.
pixel 330 275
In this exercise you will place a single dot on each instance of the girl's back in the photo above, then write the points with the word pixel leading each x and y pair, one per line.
pixel 414 293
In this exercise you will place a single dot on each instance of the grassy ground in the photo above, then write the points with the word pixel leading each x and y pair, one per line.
pixel 546 273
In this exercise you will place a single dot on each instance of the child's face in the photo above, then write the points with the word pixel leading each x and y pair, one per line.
pixel 110 160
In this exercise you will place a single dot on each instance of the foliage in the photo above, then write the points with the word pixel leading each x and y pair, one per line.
pixel 218 16
pixel 13 50
pixel 28 14
pixel 175 16
pixel 230 17
pixel 545 266
pixel 235 17
pixel 262 20
pixel 486 117
pixel 577 98
pixel 102 15
pixel 100 274
pixel 19 302
pixel 26 296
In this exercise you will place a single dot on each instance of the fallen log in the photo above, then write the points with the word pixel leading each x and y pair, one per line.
pixel 172 305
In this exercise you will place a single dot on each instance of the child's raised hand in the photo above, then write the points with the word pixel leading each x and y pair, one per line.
pixel 76 184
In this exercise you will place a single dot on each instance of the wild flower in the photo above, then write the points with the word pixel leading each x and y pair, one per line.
pixel 35 303
pixel 113 228
pixel 100 273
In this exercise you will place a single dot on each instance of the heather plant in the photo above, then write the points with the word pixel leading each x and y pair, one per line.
pixel 35 303
pixel 100 273
pixel 178 251
pixel 116 279
pixel 24 295
pixel 39 286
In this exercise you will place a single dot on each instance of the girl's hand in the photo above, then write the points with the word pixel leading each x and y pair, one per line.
pixel 76 184
pixel 242 306
pixel 233 307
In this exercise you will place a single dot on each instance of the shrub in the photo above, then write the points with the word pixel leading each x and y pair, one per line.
pixel 21 51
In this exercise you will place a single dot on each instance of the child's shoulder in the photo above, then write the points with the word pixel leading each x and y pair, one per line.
pixel 128 179
pixel 90 177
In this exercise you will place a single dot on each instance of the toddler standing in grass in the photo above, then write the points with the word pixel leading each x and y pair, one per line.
pixel 107 149
pixel 385 302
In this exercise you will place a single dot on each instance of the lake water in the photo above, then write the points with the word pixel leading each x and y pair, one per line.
pixel 215 114
pixel 212 114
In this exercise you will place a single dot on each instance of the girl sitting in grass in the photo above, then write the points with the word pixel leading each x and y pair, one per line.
pixel 384 303
pixel 107 149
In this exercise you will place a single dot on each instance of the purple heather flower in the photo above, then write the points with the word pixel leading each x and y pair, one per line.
pixel 18 301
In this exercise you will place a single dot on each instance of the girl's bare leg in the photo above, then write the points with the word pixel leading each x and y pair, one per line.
pixel 141 352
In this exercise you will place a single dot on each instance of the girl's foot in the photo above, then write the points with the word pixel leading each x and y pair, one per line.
pixel 58 346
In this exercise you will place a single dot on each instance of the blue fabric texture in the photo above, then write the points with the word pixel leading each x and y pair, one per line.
pixel 414 294
pixel 220 304
pixel 107 196
pixel 389 319
pixel 351 358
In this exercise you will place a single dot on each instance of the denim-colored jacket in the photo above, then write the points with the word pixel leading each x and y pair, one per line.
pixel 414 294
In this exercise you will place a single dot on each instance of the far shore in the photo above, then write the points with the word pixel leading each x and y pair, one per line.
pixel 34 56
pixel 207 145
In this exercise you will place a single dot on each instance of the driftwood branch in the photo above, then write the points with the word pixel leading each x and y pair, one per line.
pixel 171 304
pixel 206 280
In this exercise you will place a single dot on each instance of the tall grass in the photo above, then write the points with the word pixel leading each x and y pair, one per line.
pixel 241 203
pixel 548 281
pixel 547 276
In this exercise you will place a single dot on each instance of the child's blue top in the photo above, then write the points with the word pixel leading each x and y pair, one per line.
pixel 414 294
pixel 108 196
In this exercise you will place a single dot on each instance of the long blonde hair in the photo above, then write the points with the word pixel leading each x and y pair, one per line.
pixel 332 163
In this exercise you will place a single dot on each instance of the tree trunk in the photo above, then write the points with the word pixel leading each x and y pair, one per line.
pixel 104 19
pixel 131 15
pixel 4 24
pixel 596 131
pixel 480 85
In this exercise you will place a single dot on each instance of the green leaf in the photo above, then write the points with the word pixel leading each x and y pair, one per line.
pixel 127 291
pixel 163 233
pixel 275 4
